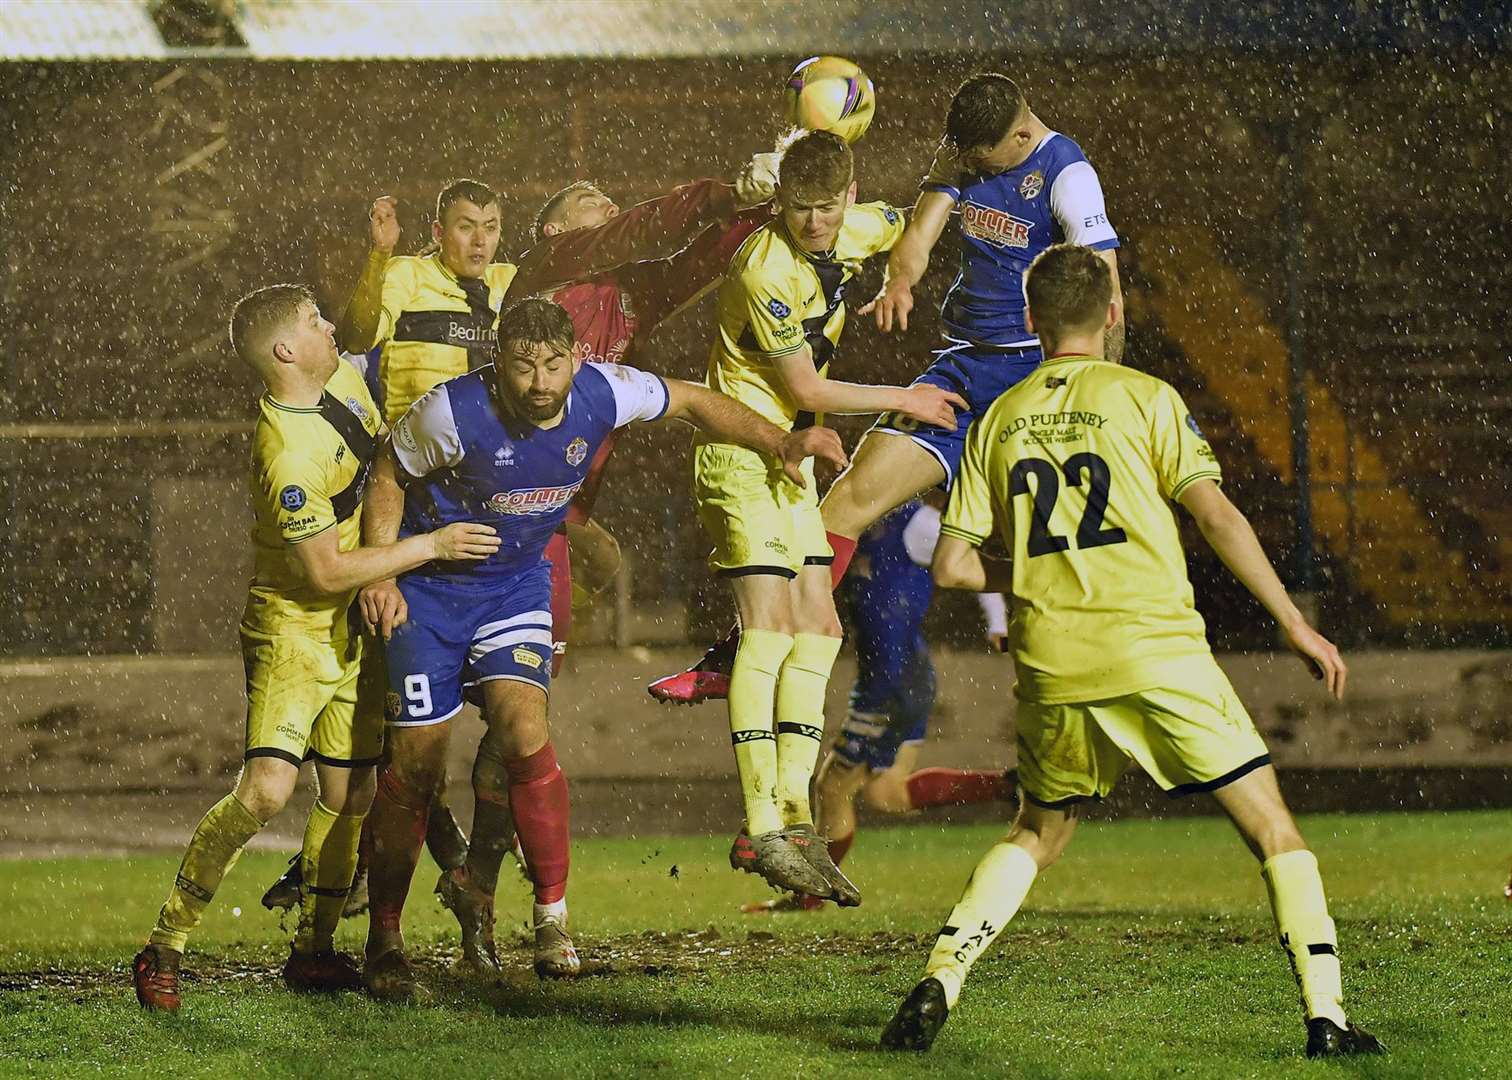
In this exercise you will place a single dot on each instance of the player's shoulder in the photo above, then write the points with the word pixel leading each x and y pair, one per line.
pixel 765 258
pixel 876 212
pixel 499 275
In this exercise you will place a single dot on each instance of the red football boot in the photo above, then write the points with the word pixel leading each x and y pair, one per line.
pixel 707 680
pixel 155 976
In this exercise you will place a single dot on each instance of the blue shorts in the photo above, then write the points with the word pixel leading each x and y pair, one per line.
pixel 979 373
pixel 883 719
pixel 462 632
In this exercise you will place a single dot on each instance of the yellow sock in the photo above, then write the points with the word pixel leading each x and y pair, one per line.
pixel 327 862
pixel 997 887
pixel 217 843
pixel 801 687
pixel 1307 933
pixel 753 693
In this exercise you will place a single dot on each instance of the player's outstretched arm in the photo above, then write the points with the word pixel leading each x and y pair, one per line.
pixel 730 421
pixel 909 259
pixel 1229 534
pixel 812 392
pixel 331 571
pixel 653 229
pixel 357 332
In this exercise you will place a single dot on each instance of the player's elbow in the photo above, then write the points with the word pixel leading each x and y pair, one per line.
pixel 324 576
pixel 949 572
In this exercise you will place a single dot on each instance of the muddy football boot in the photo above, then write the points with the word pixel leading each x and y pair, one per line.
pixel 919 1019
pixel 324 972
pixel 815 849
pixel 389 977
pixel 156 979
pixel 555 955
pixel 707 680
pixel 782 905
pixel 1327 1039
pixel 474 910
pixel 284 893
pixel 780 862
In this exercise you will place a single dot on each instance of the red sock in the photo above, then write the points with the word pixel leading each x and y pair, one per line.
pixel 844 548
pixel 839 846
pixel 561 595
pixel 956 787
pixel 538 800
pixel 398 820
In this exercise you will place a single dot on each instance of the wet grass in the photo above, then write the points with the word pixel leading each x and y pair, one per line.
pixel 1148 952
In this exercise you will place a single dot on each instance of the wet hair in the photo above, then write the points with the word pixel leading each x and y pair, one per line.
pixel 474 191
pixel 263 312
pixel 1068 289
pixel 535 322
pixel 983 110
pixel 814 163
pixel 556 202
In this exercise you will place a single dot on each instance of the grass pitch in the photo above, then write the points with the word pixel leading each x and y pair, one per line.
pixel 1148 952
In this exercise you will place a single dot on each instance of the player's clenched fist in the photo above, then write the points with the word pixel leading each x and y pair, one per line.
pixel 891 305
pixel 383 223
pixel 819 442
pixel 933 405
pixel 465 540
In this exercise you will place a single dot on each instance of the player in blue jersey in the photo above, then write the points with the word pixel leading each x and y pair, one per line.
pixel 1017 187
pixel 885 598
pixel 508 445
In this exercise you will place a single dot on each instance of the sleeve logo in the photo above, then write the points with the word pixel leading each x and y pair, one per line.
pixel 779 309
pixel 1191 422
pixel 292 498
pixel 890 214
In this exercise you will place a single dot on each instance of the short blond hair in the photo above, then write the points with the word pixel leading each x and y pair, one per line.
pixel 262 313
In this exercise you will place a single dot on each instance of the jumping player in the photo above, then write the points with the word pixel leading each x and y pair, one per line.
pixel 1017 187
pixel 1075 469
pixel 781 312
pixel 509 443
pixel 887 594
pixel 311 453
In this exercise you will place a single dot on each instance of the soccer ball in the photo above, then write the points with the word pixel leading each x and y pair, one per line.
pixel 830 93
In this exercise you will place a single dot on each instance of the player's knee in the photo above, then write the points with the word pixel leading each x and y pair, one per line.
pixel 838 779
pixel 1275 836
pixel 362 786
pixel 264 790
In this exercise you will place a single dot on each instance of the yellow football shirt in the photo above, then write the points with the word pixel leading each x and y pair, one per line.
pixel 434 326
pixel 775 298
pixel 1076 468
pixel 308 471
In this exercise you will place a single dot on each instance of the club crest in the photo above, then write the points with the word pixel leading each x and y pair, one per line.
pixel 577 450
pixel 1032 185
pixel 779 309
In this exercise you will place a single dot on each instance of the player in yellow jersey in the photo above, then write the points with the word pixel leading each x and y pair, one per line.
pixel 1075 469
pixel 781 310
pixel 314 443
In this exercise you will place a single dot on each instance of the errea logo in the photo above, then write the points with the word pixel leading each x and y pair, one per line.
pixel 504 455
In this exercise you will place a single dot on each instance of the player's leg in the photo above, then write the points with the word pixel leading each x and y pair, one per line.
pixel 1193 735
pixel 346 745
pixel 289 681
pixel 992 897
pixel 1255 806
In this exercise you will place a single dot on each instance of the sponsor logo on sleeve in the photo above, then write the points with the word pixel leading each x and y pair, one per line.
pixel 357 409
pixel 1191 422
pixel 890 214
pixel 1032 185
pixel 577 450
pixel 1094 221
pixel 778 309
pixel 405 436
pixel 995 227
pixel 530 502
pixel 291 498
pixel 787 333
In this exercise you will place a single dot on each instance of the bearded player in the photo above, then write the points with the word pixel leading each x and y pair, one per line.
pixel 511 444
pixel 1016 187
